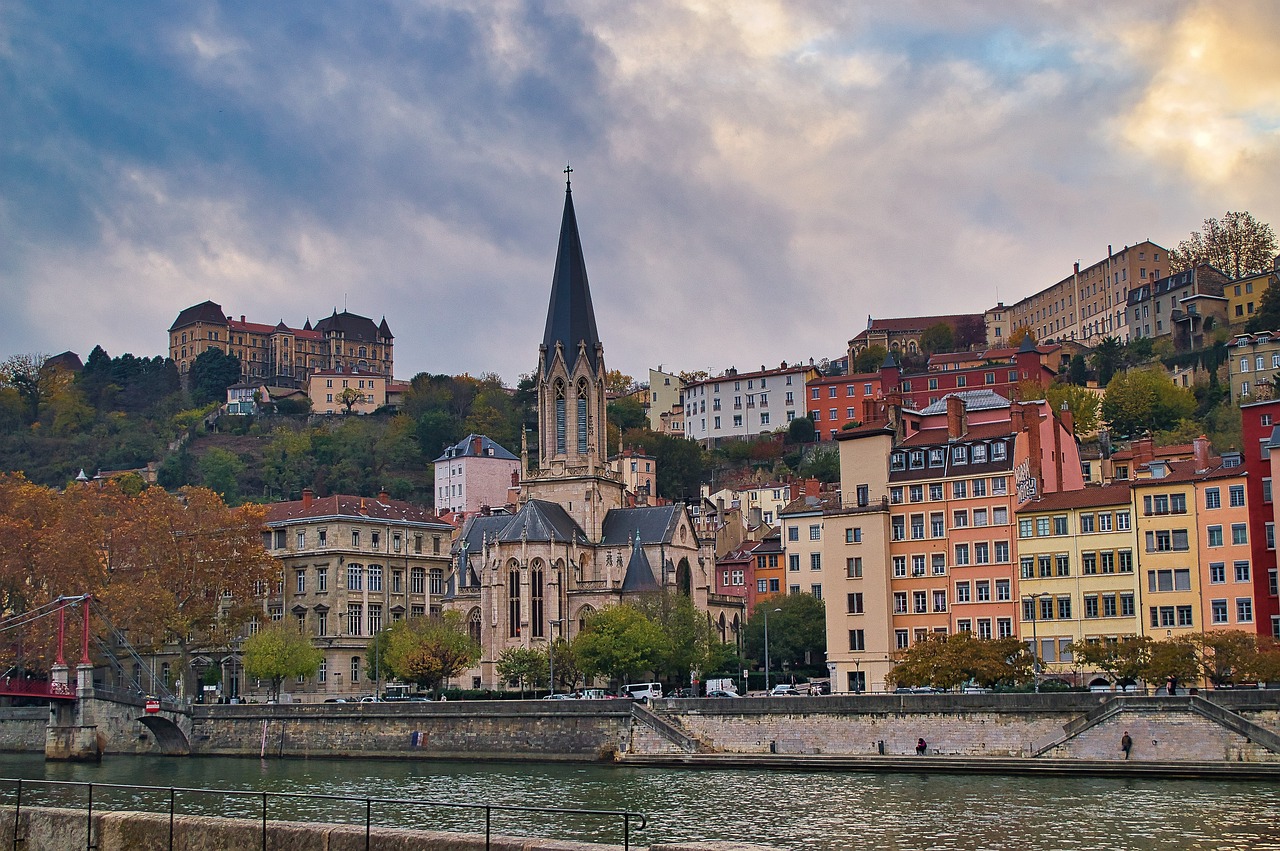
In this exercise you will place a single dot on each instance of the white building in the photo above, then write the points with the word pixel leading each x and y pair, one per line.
pixel 745 405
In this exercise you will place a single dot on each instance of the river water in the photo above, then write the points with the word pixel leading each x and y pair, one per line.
pixel 790 810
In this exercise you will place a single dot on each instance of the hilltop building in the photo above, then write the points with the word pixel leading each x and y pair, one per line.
pixel 743 406
pixel 473 474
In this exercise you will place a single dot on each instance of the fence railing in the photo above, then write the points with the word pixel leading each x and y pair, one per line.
pixel 75 795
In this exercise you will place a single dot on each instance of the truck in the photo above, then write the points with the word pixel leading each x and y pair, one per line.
pixel 726 684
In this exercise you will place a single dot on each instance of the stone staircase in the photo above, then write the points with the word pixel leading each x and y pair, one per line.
pixel 658 734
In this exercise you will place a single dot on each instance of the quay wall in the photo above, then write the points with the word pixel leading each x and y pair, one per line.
pixel 57 829
pixel 22 728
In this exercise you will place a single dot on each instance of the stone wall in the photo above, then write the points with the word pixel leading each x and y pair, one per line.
pixel 53 829
pixel 568 730
pixel 1162 736
pixel 22 728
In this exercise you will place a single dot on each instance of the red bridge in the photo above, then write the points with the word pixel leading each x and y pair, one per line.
pixel 24 686
pixel 27 687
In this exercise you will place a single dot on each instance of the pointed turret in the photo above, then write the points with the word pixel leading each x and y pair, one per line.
pixel 639 572
pixel 384 331
pixel 571 320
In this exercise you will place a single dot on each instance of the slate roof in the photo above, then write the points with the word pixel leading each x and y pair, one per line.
pixel 465 448
pixel 207 312
pixel 350 327
pixel 344 505
pixel 540 520
pixel 974 400
pixel 639 572
pixel 656 525
pixel 570 317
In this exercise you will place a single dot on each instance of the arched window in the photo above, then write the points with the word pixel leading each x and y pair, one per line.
pixel 513 602
pixel 437 581
pixel 584 615
pixel 582 416
pixel 535 600
pixel 473 625
pixel 721 627
pixel 560 414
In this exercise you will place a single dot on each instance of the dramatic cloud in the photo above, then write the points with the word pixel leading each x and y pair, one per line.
pixel 752 179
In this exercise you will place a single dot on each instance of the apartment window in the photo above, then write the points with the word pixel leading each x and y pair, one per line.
pixel 1091 605
pixel 1242 571
pixel 793 562
pixel 939 601
pixel 1177 579
pixel 355 576
pixel 1104 522
pixel 1122 521
pixel 1184 616
pixel 815 561
pixel 962 592
pixel 962 554
pixel 982 588
pixel 920 602
pixel 899 566
pixel 417 580
pixel 853 536
pixel 300 584
pixel 935 492
pixel 1212 498
pixel 916 493
pixel 1215 536
pixel 762 586
pixel 1004 628
pixel 898 528
pixel 984 627
pixel 1217 573
pixel 1060 525
pixel 959 490
pixel 939 564
pixel 937 526
pixel 322 579
pixel 1244 610
pixel 1002 591
pixel 855 602
pixel 355 618
pixel 375 577
pixel 981 553
pixel 1239 533
pixel 857 639
pixel 895 495
pixel 917 565
pixel 815 590
pixel 815 533
pixel 1218 611
pixel 355 539
pixel 901 639
pixel 1025 528
pixel 917 527
pixel 793 533
pixel 1002 552
pixel 899 602
pixel 1089 564
pixel 959 519
pixel 853 567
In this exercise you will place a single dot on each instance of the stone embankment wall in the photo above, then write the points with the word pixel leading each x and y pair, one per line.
pixel 973 725
pixel 22 728
pixel 53 829
pixel 563 729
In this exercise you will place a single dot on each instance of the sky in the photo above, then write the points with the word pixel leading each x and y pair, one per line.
pixel 752 179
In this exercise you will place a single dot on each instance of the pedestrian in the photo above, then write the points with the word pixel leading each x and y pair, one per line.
pixel 1126 744
pixel 922 747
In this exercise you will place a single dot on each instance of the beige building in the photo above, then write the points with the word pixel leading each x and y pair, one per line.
pixel 666 396
pixel 350 567
pixel 999 322
pixel 1253 363
pixel 473 474
pixel 332 389
pixel 1089 304
pixel 1245 295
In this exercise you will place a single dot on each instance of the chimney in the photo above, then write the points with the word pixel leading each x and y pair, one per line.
pixel 1068 419
pixel 1200 447
pixel 956 425
pixel 1144 451
pixel 477 446
pixel 383 496
pixel 1077 267
pixel 308 495
pixel 515 478
pixel 811 487
pixel 485 510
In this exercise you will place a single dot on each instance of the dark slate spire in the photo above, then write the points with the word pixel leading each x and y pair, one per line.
pixel 639 573
pixel 570 318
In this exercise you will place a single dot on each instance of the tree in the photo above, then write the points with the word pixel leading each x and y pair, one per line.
pixel 1020 334
pixel 221 472
pixel 1267 317
pixel 938 337
pixel 691 641
pixel 1226 657
pixel 349 398
pixel 1077 371
pixel 1124 660
pixel 34 383
pixel 971 332
pixel 430 650
pixel 797 633
pixel 801 430
pixel 1173 659
pixel 1107 358
pixel 212 372
pixel 523 665
pixel 822 464
pixel 869 359
pixel 375 657
pixel 278 651
pixel 618 383
pixel 619 641
pixel 1081 402
pixel 950 661
pixel 626 413
pixel 1143 400
pixel 680 462
pixel 1239 245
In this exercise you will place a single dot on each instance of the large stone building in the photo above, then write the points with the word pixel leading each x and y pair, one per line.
pixel 573 547
pixel 280 354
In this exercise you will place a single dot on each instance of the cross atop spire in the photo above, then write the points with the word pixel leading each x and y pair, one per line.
pixel 571 320
pixel 568 170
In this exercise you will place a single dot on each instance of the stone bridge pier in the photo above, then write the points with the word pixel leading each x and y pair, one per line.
pixel 99 722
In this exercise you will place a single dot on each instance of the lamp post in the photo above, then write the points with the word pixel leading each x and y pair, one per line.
pixel 1034 600
pixel 766 648
pixel 551 652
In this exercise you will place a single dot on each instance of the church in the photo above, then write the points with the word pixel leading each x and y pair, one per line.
pixel 573 546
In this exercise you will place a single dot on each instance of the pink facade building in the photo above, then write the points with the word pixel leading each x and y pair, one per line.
pixel 472 474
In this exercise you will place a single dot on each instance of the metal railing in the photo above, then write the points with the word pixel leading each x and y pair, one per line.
pixel 169 796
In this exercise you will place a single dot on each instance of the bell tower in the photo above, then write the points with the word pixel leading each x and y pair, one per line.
pixel 572 433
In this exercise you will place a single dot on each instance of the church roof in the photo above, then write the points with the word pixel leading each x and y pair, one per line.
pixel 540 520
pixel 570 317
pixel 639 573
pixel 656 525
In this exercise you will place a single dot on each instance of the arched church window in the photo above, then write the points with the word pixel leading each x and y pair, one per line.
pixel 535 601
pixel 513 603
pixel 582 416
pixel 560 413
pixel 473 625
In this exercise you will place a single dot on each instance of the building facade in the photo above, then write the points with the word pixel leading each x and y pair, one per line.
pixel 1260 421
pixel 1253 364
pixel 835 401
pixel 473 474
pixel 743 406
pixel 338 391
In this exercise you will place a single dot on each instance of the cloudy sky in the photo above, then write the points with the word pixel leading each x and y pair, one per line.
pixel 752 179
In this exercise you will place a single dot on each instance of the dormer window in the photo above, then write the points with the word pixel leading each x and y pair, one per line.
pixel 999 451
pixel 917 459
pixel 959 455
pixel 980 453
pixel 937 457
pixel 898 461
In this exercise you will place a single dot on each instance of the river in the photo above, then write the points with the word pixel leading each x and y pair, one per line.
pixel 790 810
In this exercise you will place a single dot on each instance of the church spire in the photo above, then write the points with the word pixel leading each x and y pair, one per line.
pixel 571 320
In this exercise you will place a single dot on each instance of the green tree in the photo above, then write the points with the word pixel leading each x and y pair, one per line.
pixel 1267 318
pixel 221 472
pixel 349 398
pixel 823 464
pixel 1226 657
pixel 436 432
pixel 1141 400
pixel 34 383
pixel 627 413
pixel 212 372
pixel 429 650
pixel 1077 371
pixel 619 641
pixel 691 641
pixel 797 630
pixel 869 359
pixel 278 651
pixel 801 430
pixel 938 337
pixel 523 665
pixel 1238 244
pixel 288 462
pixel 1082 403
pixel 1107 358
pixel 1172 659
pixel 375 657
pixel 1124 660
pixel 680 462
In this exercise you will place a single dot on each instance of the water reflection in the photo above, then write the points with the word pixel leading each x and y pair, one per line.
pixel 783 809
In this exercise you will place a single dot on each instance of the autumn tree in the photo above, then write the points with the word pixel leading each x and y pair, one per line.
pixel 279 651
pixel 1125 660
pixel 950 661
pixel 429 650
pixel 349 398
pixel 619 641
pixel 1141 400
pixel 1081 402
pixel 34 382
pixel 618 383
pixel 1019 334
pixel 1238 244
pixel 1226 656
pixel 1173 659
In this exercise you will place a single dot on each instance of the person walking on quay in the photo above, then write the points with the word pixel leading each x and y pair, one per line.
pixel 1126 744
pixel 922 747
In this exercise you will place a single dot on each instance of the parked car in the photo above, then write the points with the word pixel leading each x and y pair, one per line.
pixel 560 695
pixel 596 694
pixel 720 693
pixel 784 690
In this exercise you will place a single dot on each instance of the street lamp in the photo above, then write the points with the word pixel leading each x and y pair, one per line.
pixel 766 647
pixel 1034 600
pixel 551 652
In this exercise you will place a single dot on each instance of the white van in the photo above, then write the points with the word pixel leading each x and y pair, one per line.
pixel 642 691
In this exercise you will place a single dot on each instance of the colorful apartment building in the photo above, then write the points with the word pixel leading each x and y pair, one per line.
pixel 473 474
pixel 802 542
pixel 1001 376
pixel 1253 363
pixel 1260 421
pixel 835 401
pixel 1195 563
pixel 1077 554
pixel 936 491
pixel 1177 305
pixel 1245 295
pixel 337 391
